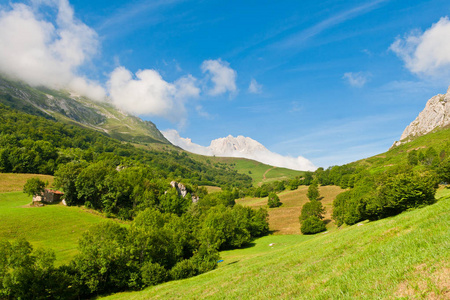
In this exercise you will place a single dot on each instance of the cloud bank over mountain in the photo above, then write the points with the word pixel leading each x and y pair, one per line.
pixel 49 49
pixel 243 147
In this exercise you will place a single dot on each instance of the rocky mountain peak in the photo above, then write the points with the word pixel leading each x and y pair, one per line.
pixel 436 114
pixel 230 144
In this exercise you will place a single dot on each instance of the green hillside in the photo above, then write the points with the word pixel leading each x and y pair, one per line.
pixel 439 140
pixel 258 171
pixel 405 257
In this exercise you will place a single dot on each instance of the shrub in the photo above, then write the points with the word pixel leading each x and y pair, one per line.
pixel 273 200
pixel 312 225
pixel 183 269
pixel 153 273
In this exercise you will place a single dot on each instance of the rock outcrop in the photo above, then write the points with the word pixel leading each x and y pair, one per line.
pixel 435 115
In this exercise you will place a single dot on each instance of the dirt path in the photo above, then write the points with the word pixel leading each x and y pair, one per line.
pixel 264 176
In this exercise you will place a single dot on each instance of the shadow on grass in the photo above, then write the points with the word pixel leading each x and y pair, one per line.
pixel 233 262
pixel 327 221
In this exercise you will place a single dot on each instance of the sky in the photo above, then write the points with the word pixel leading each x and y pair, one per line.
pixel 331 81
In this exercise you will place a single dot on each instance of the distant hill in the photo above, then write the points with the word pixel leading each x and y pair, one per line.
pixel 74 109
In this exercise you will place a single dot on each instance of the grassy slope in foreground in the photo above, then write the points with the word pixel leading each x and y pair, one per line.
pixel 404 256
pixel 53 226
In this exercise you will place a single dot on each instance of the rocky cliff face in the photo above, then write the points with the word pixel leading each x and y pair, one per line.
pixel 435 115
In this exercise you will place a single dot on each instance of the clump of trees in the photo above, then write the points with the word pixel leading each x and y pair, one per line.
pixel 384 195
pixel 311 216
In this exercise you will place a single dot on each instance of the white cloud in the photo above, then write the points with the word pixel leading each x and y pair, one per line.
pixel 149 94
pixel 242 147
pixel 358 79
pixel 254 87
pixel 47 53
pixel 185 143
pixel 222 76
pixel 426 53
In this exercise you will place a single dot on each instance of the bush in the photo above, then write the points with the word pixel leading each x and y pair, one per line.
pixel 183 269
pixel 273 200
pixel 153 274
pixel 312 225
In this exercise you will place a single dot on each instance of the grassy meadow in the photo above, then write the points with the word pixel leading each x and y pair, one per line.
pixel 402 257
pixel 284 219
pixel 52 226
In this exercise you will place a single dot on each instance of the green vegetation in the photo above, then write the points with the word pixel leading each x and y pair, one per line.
pixel 273 200
pixel 404 256
pixel 52 226
pixel 34 186
pixel 80 111
pixel 313 192
pixel 312 225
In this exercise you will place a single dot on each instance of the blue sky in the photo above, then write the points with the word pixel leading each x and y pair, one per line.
pixel 333 81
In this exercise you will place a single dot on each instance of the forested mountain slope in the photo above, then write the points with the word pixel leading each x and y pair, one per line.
pixel 74 109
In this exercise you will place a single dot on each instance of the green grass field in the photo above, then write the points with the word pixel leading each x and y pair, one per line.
pixel 52 226
pixel 402 257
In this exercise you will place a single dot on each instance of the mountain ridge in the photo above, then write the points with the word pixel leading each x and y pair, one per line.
pixel 74 109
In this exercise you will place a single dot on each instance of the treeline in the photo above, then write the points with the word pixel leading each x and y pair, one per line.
pixel 31 144
pixel 155 248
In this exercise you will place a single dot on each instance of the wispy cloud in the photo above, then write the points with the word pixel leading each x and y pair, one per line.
pixel 357 79
pixel 302 36
pixel 255 87
pixel 129 13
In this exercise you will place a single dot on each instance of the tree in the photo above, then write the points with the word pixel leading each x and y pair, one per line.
pixel 313 208
pixel 313 192
pixel 34 186
pixel 273 200
pixel 312 225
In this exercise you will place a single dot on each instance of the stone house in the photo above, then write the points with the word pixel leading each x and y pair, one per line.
pixel 49 196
